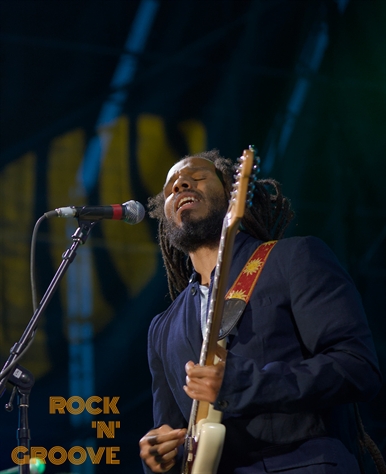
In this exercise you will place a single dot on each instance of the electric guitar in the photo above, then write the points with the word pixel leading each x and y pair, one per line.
pixel 205 435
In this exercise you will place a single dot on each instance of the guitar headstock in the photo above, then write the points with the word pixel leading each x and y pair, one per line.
pixel 244 184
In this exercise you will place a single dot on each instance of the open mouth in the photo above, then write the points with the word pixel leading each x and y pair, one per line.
pixel 186 201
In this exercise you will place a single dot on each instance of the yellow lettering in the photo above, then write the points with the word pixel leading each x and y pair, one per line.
pixel 57 403
pixel 95 458
pixel 38 452
pixel 109 431
pixel 61 459
pixel 111 455
pixel 79 409
pixel 81 459
pixel 110 405
pixel 58 455
pixel 16 459
pixel 90 408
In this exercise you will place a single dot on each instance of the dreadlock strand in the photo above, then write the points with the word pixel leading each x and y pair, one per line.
pixel 166 259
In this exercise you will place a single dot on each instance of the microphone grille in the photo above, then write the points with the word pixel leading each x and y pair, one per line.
pixel 134 212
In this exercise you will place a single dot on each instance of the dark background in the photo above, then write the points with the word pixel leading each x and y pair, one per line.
pixel 303 80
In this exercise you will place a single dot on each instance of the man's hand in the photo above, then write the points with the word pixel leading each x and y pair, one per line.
pixel 158 448
pixel 203 383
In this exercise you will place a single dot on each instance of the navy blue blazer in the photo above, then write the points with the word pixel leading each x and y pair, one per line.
pixel 301 353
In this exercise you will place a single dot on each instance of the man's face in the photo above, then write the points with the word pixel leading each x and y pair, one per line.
pixel 191 186
pixel 195 204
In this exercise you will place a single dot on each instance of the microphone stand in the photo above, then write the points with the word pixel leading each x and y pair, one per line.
pixel 21 378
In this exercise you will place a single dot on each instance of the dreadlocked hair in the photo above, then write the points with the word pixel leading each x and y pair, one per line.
pixel 266 219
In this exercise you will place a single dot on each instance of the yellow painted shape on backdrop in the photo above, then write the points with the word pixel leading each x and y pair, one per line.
pixel 64 160
pixel 195 135
pixel 155 155
pixel 131 247
pixel 17 194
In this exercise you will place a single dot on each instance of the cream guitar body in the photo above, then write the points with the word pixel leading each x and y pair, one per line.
pixel 209 448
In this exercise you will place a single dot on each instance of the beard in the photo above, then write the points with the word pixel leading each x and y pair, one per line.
pixel 198 233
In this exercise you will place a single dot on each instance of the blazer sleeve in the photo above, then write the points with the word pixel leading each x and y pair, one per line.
pixel 165 407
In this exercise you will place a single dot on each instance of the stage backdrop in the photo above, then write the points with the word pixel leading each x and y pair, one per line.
pixel 98 100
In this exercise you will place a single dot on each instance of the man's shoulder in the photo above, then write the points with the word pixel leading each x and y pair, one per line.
pixel 289 253
pixel 172 310
pixel 286 244
pixel 301 241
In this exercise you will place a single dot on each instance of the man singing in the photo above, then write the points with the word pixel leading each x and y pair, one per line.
pixel 299 356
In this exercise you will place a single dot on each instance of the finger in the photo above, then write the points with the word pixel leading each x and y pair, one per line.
pixel 202 389
pixel 152 440
pixel 195 384
pixel 210 371
pixel 165 449
pixel 174 435
pixel 166 466
pixel 167 457
pixel 199 396
pixel 197 371
pixel 156 439
pixel 151 437
pixel 166 460
pixel 188 366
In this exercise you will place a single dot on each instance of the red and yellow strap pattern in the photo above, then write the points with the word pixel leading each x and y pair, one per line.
pixel 246 281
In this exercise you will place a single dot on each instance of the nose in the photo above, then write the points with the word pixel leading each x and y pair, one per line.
pixel 182 182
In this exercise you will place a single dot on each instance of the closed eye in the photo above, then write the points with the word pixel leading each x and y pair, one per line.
pixel 195 173
pixel 199 177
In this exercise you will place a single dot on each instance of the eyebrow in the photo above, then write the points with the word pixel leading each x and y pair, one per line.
pixel 192 168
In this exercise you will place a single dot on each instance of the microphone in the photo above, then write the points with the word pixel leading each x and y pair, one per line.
pixel 131 212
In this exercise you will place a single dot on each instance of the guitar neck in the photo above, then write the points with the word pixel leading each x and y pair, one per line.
pixel 208 349
pixel 209 345
pixel 230 227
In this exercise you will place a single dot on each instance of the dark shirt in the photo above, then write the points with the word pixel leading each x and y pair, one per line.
pixel 301 353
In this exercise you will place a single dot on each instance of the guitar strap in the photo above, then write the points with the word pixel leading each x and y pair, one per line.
pixel 239 294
